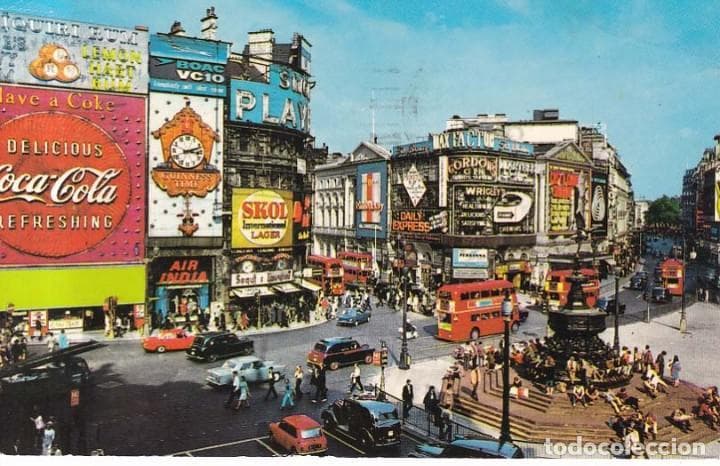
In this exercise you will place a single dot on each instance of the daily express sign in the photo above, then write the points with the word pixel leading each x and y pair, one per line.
pixel 283 101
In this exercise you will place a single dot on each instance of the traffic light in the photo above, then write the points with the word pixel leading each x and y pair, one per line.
pixel 383 356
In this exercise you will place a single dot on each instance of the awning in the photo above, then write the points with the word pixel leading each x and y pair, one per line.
pixel 308 285
pixel 252 291
pixel 286 288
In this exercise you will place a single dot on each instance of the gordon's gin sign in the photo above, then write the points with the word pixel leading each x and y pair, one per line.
pixel 71 177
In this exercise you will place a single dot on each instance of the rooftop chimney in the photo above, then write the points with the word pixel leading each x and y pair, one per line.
pixel 208 24
pixel 260 44
pixel 176 29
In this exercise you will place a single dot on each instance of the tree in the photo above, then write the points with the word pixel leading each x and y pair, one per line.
pixel 665 210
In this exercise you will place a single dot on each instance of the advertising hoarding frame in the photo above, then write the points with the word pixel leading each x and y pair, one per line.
pixel 365 199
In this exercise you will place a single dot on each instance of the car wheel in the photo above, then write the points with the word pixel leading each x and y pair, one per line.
pixel 212 358
pixel 365 441
pixel 334 366
pixel 293 451
pixel 368 359
pixel 161 349
pixel 475 334
pixel 328 423
pixel 514 327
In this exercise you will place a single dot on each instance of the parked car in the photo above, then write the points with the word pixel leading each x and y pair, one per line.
pixel 339 351
pixel 468 448
pixel 660 295
pixel 607 305
pixel 213 345
pixel 354 316
pixel 175 339
pixel 55 378
pixel 299 435
pixel 410 331
pixel 370 423
pixel 252 368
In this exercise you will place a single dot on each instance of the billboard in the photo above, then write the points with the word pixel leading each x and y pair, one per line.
pixel 302 217
pixel 71 54
pixel 491 209
pixel 599 204
pixel 569 191
pixel 472 168
pixel 261 218
pixel 185 65
pixel 371 200
pixel 283 100
pixel 478 139
pixel 470 258
pixel 185 166
pixel 72 177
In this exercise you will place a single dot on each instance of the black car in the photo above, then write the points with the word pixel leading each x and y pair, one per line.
pixel 339 351
pixel 370 423
pixel 607 305
pixel 468 448
pixel 638 281
pixel 660 295
pixel 55 378
pixel 211 346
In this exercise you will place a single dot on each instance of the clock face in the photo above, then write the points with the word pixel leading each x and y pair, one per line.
pixel 247 266
pixel 187 151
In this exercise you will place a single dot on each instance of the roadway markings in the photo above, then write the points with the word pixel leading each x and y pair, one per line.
pixel 219 445
pixel 268 447
pixel 343 442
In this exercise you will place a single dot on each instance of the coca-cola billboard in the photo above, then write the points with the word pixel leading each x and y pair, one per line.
pixel 72 176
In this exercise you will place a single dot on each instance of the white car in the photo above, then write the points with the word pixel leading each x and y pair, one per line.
pixel 252 368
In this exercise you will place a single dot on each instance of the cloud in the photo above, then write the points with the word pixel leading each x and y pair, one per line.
pixel 518 6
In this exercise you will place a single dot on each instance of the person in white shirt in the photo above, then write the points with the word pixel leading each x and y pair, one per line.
pixel 355 379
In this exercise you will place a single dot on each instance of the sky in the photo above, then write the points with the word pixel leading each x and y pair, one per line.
pixel 646 72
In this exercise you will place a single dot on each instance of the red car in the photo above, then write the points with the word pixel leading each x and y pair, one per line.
pixel 175 339
pixel 299 434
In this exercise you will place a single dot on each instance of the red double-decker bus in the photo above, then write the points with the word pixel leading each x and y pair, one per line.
pixel 557 287
pixel 467 311
pixel 671 274
pixel 357 266
pixel 327 273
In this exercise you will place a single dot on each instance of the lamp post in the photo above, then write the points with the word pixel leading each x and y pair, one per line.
pixel 404 363
pixel 616 340
pixel 683 315
pixel 507 308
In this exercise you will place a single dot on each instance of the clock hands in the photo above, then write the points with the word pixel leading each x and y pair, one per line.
pixel 194 150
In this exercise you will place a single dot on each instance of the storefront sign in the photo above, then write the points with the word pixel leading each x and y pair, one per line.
pixel 261 218
pixel 371 195
pixel 569 191
pixel 260 278
pixel 470 258
pixel 414 185
pixel 283 100
pixel 186 162
pixel 186 65
pixel 472 168
pixel 415 148
pixel 516 171
pixel 477 139
pixel 185 270
pixel 71 176
pixel 479 274
pixel 418 221
pixel 46 51
pixel 491 209
pixel 302 217
pixel 599 205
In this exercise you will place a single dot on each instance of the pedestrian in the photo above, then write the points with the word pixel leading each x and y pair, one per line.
pixel 475 377
pixel 408 395
pixel 315 383
pixel 52 343
pixel 648 359
pixel 430 402
pixel 244 398
pixel 322 382
pixel 235 391
pixel 39 423
pixel 63 342
pixel 675 369
pixel 287 399
pixel 48 438
pixel 298 382
pixel 274 378
pixel 38 330
pixel 706 296
pixel 355 379
pixel 660 363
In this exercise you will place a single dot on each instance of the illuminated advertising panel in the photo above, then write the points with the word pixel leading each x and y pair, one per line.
pixel 480 210
pixel 185 166
pixel 283 100
pixel 261 218
pixel 599 204
pixel 185 65
pixel 371 199
pixel 569 190
pixel 72 177
pixel 71 54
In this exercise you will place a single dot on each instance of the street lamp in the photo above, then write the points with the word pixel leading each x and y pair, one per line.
pixel 683 316
pixel 616 340
pixel 404 363
pixel 507 308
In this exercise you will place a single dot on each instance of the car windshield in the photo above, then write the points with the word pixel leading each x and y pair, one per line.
pixel 349 312
pixel 319 347
pixel 386 415
pixel 310 433
pixel 198 341
pixel 229 365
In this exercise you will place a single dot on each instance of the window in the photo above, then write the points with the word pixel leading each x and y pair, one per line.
pixel 496 315
pixel 495 292
pixel 245 366
pixel 474 317
pixel 485 294
pixel 288 428
pixel 310 433
pixel 445 317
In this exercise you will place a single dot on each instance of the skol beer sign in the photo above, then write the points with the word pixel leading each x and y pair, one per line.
pixel 261 218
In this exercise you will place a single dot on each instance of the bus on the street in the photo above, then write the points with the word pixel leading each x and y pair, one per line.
pixel 327 273
pixel 357 267
pixel 671 274
pixel 557 287
pixel 468 311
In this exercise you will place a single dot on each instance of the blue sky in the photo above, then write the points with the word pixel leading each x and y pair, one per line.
pixel 648 70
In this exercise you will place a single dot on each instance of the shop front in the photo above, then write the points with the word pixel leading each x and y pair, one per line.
pixel 71 298
pixel 182 287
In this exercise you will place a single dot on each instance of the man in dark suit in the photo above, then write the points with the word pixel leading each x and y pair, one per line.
pixel 408 395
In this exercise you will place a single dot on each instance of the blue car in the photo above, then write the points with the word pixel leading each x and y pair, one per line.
pixel 353 316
